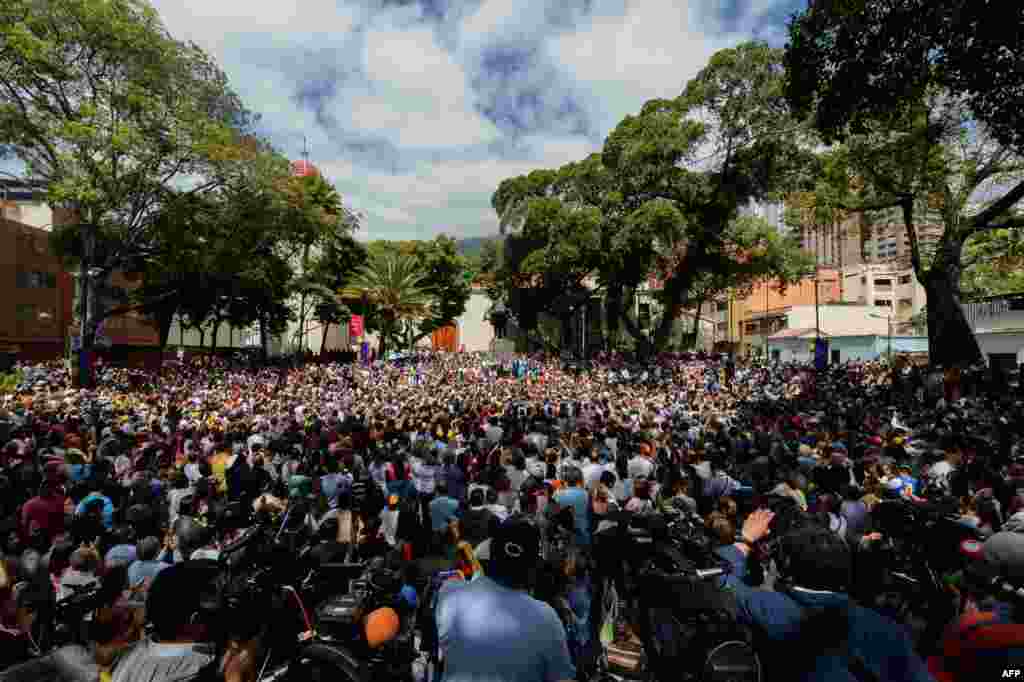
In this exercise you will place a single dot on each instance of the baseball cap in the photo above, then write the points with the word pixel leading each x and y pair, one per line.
pixel 515 548
pixel 177 593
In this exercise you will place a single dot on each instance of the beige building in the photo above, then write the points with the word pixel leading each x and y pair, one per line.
pixel 475 331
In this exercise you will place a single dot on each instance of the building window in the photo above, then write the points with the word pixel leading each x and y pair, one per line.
pixel 904 279
pixel 883 283
pixel 886 248
pixel 722 306
pixel 33 279
pixel 906 303
pixel 883 303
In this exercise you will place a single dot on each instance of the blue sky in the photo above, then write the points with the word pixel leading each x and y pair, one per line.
pixel 417 109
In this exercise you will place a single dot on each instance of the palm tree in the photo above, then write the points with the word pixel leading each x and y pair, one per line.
pixel 394 285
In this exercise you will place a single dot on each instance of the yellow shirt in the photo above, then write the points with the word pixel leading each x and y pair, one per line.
pixel 218 466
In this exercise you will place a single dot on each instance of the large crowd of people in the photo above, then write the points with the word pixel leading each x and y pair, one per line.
pixel 458 456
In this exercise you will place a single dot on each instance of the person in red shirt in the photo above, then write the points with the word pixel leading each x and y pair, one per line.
pixel 45 511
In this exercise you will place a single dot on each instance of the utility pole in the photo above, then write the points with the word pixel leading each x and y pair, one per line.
pixel 764 323
pixel 890 339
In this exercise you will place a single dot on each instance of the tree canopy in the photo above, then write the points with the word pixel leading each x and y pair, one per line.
pixel 662 197
pixel 395 285
pixel 920 143
pixel 852 61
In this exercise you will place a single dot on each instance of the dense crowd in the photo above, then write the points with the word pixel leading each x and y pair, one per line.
pixel 461 458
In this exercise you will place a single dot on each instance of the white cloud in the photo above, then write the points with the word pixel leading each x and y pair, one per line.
pixel 623 62
pixel 412 89
pixel 417 95
pixel 214 24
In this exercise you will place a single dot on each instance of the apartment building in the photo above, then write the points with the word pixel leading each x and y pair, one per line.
pixel 872 260
pixel 38 314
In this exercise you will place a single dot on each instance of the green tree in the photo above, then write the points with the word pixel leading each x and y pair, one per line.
pixel 664 193
pixel 929 113
pixel 447 275
pixel 932 164
pixel 336 265
pixel 115 116
pixel 852 61
pixel 320 218
pixel 993 264
pixel 395 286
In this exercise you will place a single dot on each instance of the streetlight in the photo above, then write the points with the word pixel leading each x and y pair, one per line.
pixel 888 319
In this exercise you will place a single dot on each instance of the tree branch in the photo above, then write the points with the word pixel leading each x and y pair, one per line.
pixel 1000 206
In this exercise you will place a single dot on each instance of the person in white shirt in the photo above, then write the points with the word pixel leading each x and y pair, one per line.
pixel 641 464
pixel 593 470
pixel 499 510
pixel 389 521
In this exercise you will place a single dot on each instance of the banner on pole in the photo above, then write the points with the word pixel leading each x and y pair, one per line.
pixel 355 326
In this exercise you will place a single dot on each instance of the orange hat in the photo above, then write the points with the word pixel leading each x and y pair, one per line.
pixel 381 627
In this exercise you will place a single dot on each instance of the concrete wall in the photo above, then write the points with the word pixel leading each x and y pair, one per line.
pixel 475 331
pixel 32 213
pixel 861 348
pixel 800 349
pixel 903 297
pixel 226 337
pixel 1002 343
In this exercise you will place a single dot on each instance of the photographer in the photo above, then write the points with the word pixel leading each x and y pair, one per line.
pixel 183 641
pixel 813 613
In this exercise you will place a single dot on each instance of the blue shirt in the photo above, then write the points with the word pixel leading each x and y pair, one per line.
pixel 456 481
pixel 79 472
pixel 332 486
pixel 120 554
pixel 443 510
pixel 140 571
pixel 492 633
pixel 108 508
pixel 881 644
pixel 580 503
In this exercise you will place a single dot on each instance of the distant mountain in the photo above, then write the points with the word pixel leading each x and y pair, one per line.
pixel 472 245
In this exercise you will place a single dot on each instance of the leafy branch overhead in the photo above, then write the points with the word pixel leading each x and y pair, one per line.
pixel 922 101
pixel 663 197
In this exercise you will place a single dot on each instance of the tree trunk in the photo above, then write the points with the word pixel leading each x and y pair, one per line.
pixel 613 316
pixel 566 342
pixel 951 342
pixel 323 337
pixel 676 289
pixel 216 330
pixel 696 321
pixel 263 337
pixel 302 299
pixel 165 318
pixel 87 336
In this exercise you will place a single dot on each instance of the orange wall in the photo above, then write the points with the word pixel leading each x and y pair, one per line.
pixel 801 293
pixel 446 339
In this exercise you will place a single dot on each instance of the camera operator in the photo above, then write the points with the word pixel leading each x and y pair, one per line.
pixel 813 611
pixel 182 644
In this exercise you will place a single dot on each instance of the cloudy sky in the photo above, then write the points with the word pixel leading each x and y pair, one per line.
pixel 417 109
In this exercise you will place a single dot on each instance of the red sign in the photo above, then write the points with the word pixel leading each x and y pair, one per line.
pixel 355 326
pixel 301 169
